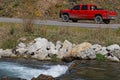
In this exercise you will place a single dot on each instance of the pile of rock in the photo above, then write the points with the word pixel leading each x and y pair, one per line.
pixel 43 77
pixel 43 49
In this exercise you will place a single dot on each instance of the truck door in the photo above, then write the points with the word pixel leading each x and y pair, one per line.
pixel 84 12
pixel 74 13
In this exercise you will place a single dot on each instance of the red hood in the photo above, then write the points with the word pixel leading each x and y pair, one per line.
pixel 65 10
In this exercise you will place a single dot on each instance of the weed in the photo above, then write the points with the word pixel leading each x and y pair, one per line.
pixel 100 57
pixel 54 58
pixel 12 30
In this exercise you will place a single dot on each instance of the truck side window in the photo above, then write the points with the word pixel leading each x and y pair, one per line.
pixel 93 7
pixel 84 7
pixel 76 7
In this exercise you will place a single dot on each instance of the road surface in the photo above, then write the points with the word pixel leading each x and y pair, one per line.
pixel 59 23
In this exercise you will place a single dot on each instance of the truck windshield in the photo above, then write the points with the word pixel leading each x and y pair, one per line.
pixel 76 7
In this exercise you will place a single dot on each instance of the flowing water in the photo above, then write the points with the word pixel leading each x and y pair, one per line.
pixel 28 70
pixel 78 70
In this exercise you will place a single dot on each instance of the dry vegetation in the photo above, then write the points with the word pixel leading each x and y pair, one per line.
pixel 11 33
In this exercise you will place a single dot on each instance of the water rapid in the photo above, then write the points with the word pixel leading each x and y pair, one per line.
pixel 21 71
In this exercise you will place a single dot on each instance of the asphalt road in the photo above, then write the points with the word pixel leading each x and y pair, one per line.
pixel 60 23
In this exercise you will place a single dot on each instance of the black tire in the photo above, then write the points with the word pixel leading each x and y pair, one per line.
pixel 65 18
pixel 98 19
pixel 74 20
pixel 106 21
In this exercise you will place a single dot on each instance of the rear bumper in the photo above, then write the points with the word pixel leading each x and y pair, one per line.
pixel 111 17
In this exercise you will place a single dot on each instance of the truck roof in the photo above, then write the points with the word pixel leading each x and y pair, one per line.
pixel 87 4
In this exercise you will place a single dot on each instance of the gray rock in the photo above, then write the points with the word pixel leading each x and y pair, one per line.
pixel 8 53
pixel 76 49
pixel 113 47
pixel 113 58
pixel 21 45
pixel 99 49
pixel 114 50
pixel 41 55
pixel 66 46
pixel 52 48
pixel 39 43
pixel 87 54
pixel 58 45
pixel 21 51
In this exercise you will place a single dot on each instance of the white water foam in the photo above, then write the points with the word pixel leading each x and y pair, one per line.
pixel 17 70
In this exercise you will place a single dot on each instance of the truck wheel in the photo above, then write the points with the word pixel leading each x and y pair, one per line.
pixel 106 21
pixel 65 18
pixel 74 20
pixel 98 19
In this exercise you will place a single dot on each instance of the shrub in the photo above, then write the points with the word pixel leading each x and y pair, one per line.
pixel 12 30
pixel 54 58
pixel 100 57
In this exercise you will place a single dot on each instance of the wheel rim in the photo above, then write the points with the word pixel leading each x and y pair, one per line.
pixel 98 19
pixel 65 18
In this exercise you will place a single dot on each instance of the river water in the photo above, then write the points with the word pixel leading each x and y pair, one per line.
pixel 78 70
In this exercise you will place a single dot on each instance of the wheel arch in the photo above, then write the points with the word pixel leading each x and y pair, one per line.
pixel 65 14
pixel 98 15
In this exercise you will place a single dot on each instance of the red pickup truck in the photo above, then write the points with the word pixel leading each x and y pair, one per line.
pixel 87 12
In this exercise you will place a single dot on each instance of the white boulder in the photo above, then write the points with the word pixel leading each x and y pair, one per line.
pixel 38 44
pixel 8 53
pixel 114 50
pixel 87 54
pixel 65 48
pixel 75 51
pixel 99 49
pixel 113 58
pixel 58 45
pixel 113 47
pixel 21 45
pixel 41 55
pixel 21 51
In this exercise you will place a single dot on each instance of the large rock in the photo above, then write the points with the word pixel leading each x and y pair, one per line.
pixel 21 51
pixel 44 77
pixel 113 47
pixel 41 55
pixel 52 48
pixel 64 48
pixel 8 53
pixel 75 51
pixel 37 44
pixel 113 58
pixel 114 50
pixel 99 49
pixel 21 45
pixel 87 54
pixel 58 45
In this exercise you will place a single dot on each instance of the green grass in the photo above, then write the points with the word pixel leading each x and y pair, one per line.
pixel 100 57
pixel 9 36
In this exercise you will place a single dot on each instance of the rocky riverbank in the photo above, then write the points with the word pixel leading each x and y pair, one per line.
pixel 42 49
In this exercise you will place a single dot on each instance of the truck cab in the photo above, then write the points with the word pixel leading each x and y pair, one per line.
pixel 87 12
